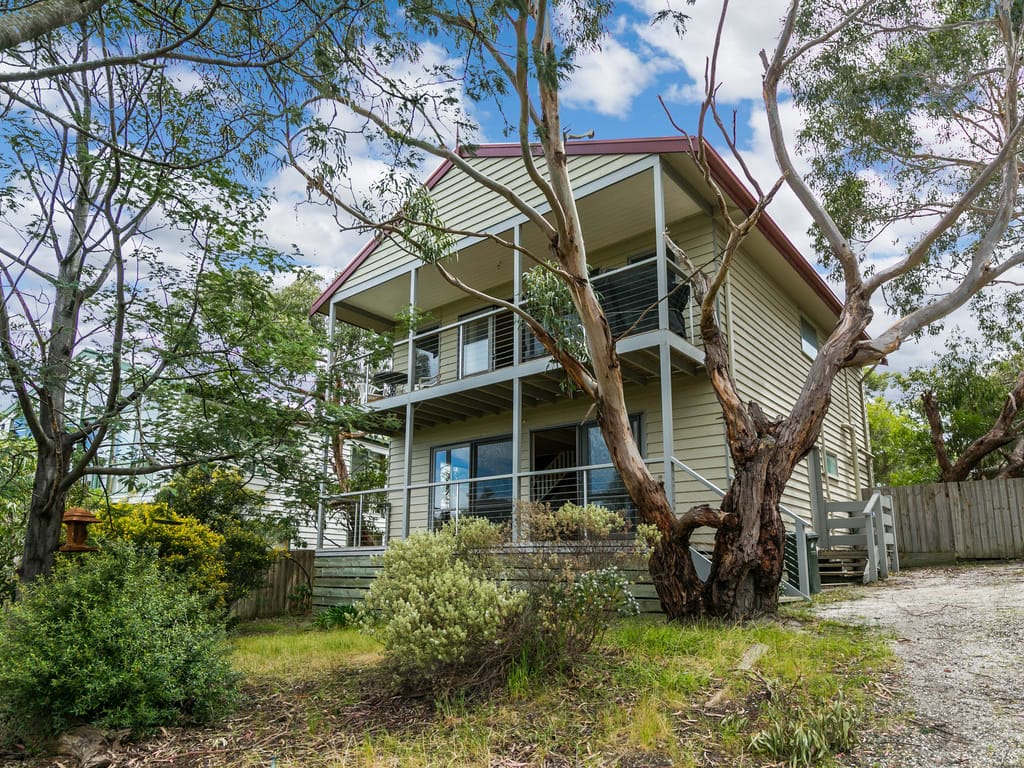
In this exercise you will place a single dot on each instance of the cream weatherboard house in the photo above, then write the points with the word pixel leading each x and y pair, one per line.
pixel 485 418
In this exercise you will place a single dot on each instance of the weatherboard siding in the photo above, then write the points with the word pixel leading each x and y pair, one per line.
pixel 463 203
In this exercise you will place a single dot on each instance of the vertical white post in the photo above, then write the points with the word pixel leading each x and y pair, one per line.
pixel 665 358
pixel 879 516
pixel 517 384
pixel 802 566
pixel 869 542
pixel 407 467
pixel 321 509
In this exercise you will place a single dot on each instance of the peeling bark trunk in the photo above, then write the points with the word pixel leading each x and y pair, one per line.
pixel 746 567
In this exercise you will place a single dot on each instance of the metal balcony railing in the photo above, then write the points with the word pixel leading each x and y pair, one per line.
pixel 486 341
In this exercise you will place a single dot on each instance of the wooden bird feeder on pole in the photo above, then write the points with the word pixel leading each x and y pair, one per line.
pixel 77 520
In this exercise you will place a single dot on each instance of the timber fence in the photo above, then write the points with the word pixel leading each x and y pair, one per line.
pixel 288 577
pixel 975 520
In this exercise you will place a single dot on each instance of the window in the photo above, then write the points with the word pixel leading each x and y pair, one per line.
pixel 485 344
pixel 428 360
pixel 454 468
pixel 808 338
pixel 559 450
pixel 831 464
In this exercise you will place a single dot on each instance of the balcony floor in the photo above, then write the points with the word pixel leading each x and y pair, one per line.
pixel 491 392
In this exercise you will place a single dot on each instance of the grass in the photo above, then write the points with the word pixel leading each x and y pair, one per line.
pixel 294 651
pixel 315 699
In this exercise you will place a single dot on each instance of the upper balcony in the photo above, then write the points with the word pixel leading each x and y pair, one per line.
pixel 467 367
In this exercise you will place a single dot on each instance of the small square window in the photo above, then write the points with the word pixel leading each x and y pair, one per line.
pixel 831 464
pixel 808 338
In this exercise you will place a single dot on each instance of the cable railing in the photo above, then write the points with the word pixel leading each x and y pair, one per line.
pixel 485 341
pixel 801 586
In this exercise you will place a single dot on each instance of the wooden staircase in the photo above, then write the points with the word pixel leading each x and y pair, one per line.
pixel 841 566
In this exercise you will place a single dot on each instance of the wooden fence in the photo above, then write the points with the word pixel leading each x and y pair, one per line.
pixel 940 522
pixel 284 577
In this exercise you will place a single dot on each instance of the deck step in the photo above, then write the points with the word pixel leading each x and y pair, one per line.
pixel 841 566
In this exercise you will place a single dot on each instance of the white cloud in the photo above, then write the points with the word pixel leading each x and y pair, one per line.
pixel 608 79
pixel 747 30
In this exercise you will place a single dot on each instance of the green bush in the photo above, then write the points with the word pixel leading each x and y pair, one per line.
pixel 184 546
pixel 108 638
pixel 570 522
pixel 220 500
pixel 444 610
pixel 438 619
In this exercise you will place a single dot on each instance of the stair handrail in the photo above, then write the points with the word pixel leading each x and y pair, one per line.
pixel 803 589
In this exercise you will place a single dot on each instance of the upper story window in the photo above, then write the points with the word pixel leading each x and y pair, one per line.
pixel 808 338
pixel 485 343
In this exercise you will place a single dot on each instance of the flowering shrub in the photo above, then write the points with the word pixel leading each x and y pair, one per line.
pixel 438 619
pixel 570 522
pixel 448 618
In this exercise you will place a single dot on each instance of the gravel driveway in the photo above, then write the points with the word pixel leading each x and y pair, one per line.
pixel 959 633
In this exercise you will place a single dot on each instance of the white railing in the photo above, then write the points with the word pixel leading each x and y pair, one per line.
pixel 486 341
pixel 868 526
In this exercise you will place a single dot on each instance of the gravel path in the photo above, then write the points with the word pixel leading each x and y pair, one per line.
pixel 959 633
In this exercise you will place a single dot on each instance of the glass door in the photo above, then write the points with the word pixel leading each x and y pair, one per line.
pixel 450 498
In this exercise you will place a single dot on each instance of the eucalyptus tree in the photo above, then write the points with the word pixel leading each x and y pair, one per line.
pixel 376 77
pixel 131 226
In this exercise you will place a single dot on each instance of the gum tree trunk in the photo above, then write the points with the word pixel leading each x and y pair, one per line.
pixel 46 512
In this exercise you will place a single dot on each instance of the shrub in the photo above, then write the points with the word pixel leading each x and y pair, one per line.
pixel 448 617
pixel 440 621
pixel 108 638
pixel 220 500
pixel 570 522
pixel 184 546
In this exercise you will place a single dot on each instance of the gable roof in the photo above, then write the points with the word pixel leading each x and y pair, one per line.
pixel 723 175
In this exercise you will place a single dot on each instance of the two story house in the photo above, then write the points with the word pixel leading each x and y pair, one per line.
pixel 486 417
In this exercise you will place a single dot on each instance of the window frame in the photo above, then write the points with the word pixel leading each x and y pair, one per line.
pixel 828 455
pixel 472 445
pixel 809 349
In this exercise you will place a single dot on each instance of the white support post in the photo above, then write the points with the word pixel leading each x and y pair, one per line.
pixel 659 244
pixel 869 542
pixel 802 566
pixel 407 467
pixel 879 517
pixel 321 508
pixel 664 353
pixel 517 384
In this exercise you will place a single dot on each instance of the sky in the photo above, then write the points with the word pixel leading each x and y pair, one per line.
pixel 615 92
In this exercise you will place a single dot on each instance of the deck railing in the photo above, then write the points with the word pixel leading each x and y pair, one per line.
pixel 869 526
pixel 802 586
pixel 485 341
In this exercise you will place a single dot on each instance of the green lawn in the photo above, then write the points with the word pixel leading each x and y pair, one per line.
pixel 317 699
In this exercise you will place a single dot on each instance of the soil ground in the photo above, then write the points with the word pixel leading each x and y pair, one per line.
pixel 959 633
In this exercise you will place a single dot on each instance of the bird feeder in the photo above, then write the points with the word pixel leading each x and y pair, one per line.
pixel 77 520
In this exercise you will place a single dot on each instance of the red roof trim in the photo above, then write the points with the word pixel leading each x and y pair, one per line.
pixel 731 185
pixel 370 247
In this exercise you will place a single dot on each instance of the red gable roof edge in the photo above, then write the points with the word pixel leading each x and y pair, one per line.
pixel 731 185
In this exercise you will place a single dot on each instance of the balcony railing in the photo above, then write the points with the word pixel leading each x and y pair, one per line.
pixel 486 341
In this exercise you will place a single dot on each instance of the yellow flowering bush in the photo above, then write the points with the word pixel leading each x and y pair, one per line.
pixel 183 544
